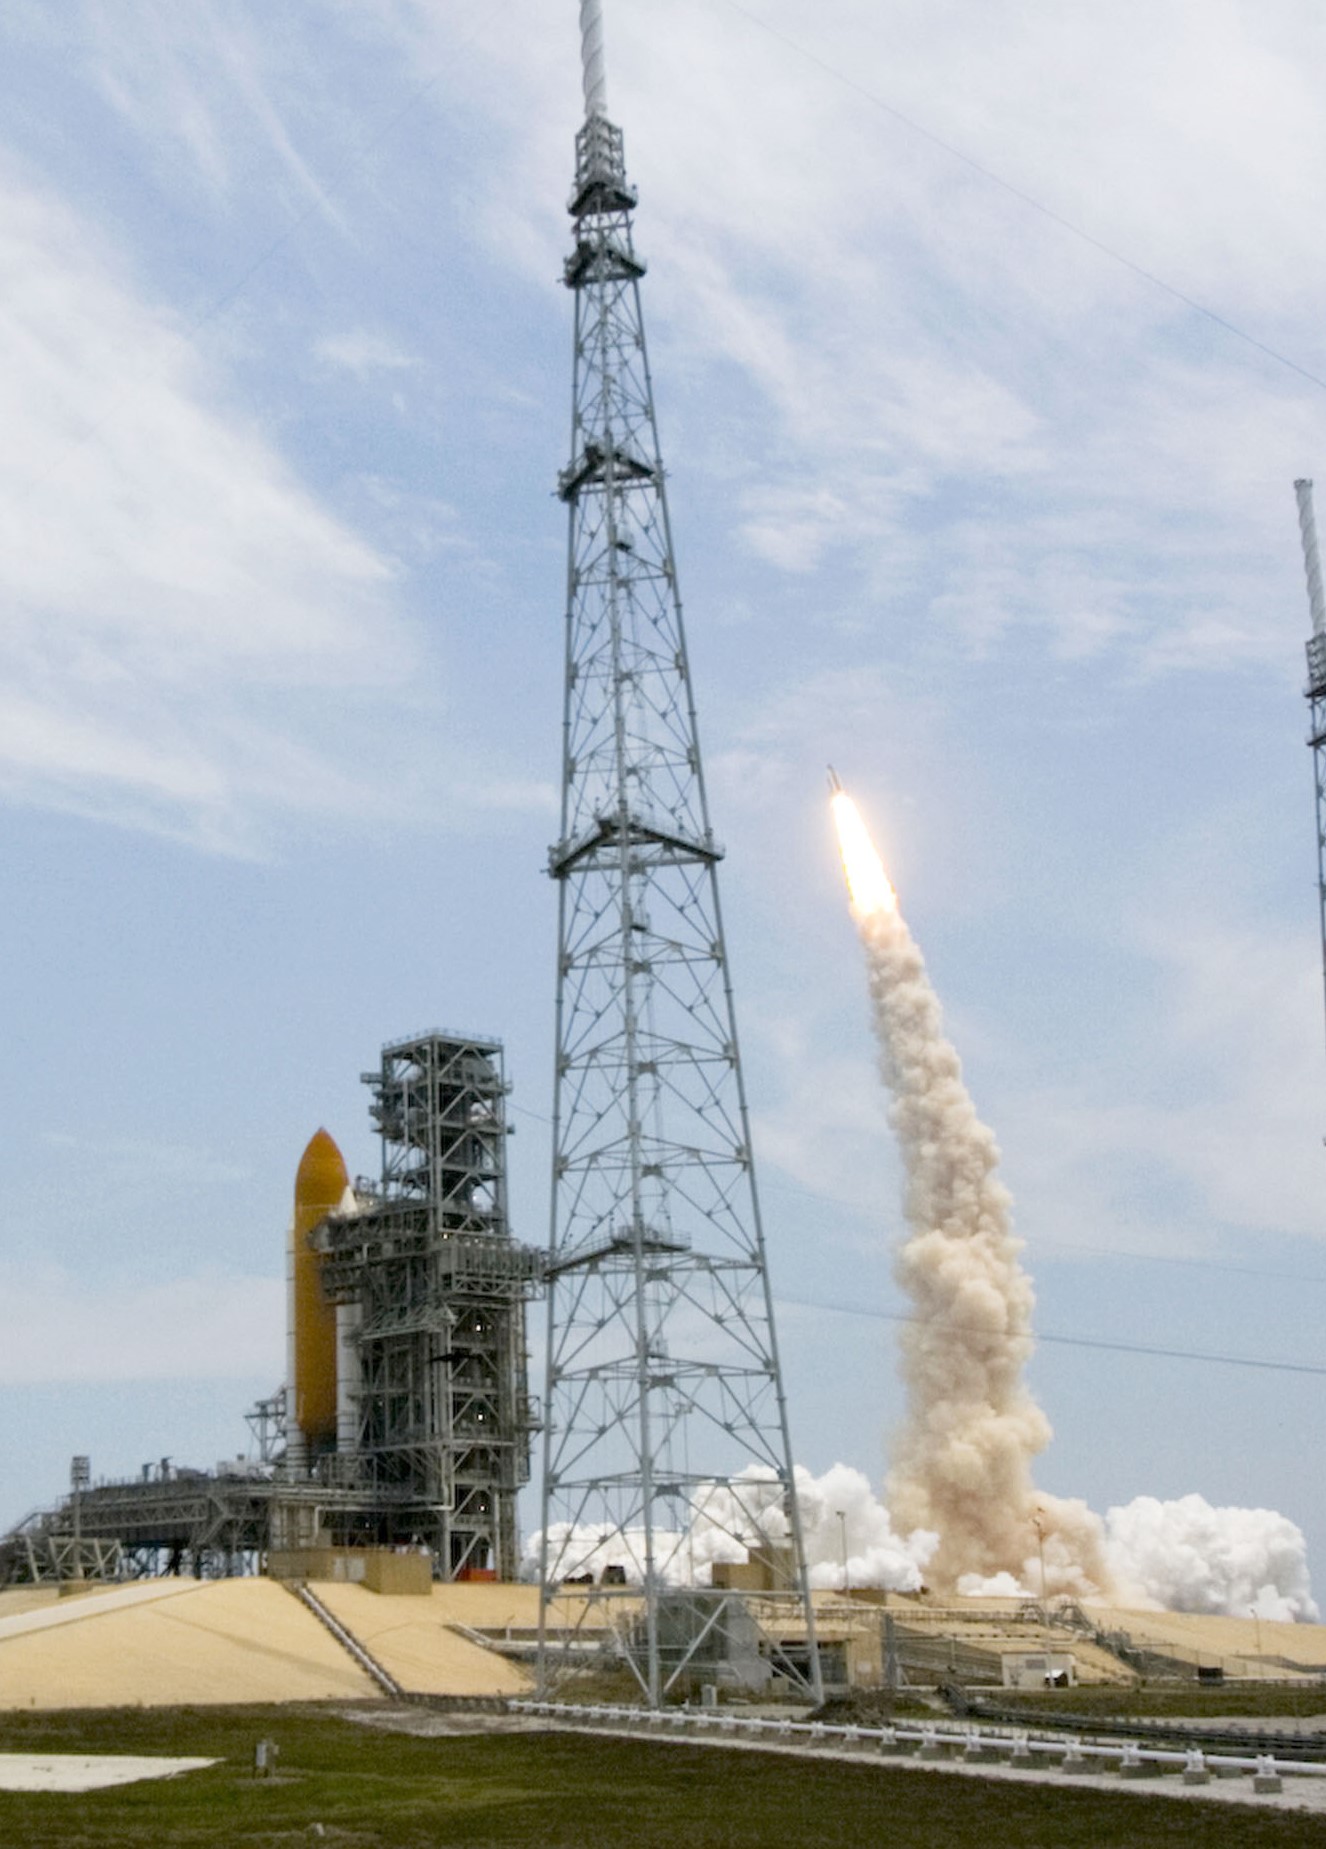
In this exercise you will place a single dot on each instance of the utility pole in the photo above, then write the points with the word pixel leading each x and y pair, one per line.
pixel 1038 1523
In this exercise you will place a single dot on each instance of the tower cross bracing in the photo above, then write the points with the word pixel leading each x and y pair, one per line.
pixel 665 1413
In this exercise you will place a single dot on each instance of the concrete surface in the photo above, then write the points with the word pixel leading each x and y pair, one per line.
pixel 85 1771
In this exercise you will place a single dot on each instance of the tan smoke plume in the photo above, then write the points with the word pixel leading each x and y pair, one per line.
pixel 962 1460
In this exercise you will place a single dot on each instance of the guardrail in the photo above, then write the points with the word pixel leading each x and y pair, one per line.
pixel 1158 1730
pixel 972 1745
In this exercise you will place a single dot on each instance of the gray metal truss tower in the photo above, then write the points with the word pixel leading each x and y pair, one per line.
pixel 664 1397
pixel 1316 686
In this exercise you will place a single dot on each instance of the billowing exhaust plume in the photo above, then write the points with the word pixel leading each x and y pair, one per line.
pixel 962 1461
pixel 1181 1555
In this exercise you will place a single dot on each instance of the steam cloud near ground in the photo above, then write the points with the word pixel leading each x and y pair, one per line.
pixel 1177 1556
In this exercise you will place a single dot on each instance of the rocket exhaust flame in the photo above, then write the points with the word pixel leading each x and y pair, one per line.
pixel 962 1460
pixel 867 883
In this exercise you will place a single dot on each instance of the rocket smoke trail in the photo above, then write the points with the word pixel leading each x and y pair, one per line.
pixel 962 1461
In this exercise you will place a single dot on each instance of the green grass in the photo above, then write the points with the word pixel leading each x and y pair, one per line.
pixel 1189 1700
pixel 375 1790
pixel 877 1707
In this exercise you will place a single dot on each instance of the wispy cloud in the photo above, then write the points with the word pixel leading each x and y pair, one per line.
pixel 176 609
pixel 1094 464
pixel 363 353
pixel 207 81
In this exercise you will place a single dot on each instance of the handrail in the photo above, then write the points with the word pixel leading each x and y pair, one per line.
pixel 348 1641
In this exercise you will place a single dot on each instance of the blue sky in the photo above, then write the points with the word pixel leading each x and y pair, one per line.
pixel 963 505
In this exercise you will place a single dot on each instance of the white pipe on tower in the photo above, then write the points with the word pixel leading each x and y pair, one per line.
pixel 591 57
pixel 349 1320
pixel 1307 526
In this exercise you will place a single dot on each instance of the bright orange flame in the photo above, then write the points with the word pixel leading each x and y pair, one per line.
pixel 867 883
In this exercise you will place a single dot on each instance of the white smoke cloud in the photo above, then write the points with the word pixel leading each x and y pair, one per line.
pixel 1187 1556
pixel 876 1555
pixel 846 1531
pixel 993 1586
pixel 1182 1555
pixel 839 1503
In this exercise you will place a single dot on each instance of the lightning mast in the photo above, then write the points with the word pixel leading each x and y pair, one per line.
pixel 664 1397
pixel 1316 686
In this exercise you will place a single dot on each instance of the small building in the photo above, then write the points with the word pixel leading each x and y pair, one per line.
pixel 1038 1669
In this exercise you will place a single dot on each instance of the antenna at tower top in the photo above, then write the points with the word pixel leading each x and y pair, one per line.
pixel 1307 526
pixel 591 58
pixel 1316 687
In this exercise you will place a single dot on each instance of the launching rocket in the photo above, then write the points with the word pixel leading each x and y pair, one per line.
pixel 320 1186
pixel 867 883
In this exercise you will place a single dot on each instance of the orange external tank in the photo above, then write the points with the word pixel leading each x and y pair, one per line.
pixel 320 1185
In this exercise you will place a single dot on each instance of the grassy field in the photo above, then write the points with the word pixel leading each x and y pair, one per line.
pixel 374 1790
pixel 1191 1700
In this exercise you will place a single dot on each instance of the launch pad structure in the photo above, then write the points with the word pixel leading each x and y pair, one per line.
pixel 435 1415
pixel 430 1441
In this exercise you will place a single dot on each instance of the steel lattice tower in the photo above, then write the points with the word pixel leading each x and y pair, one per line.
pixel 1315 690
pixel 663 1387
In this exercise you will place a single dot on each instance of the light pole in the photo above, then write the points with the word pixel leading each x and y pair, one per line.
pixel 842 1525
pixel 80 1478
pixel 1038 1523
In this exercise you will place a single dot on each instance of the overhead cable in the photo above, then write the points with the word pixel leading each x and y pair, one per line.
pixel 1025 198
pixel 1067 1341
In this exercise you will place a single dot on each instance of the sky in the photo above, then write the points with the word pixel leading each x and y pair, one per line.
pixel 987 346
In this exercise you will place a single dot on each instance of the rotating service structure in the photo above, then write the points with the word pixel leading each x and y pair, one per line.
pixel 435 1416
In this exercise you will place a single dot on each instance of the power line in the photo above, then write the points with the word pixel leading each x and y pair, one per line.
pixel 1025 198
pixel 1065 1341
pixel 777 1184
pixel 1035 1246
